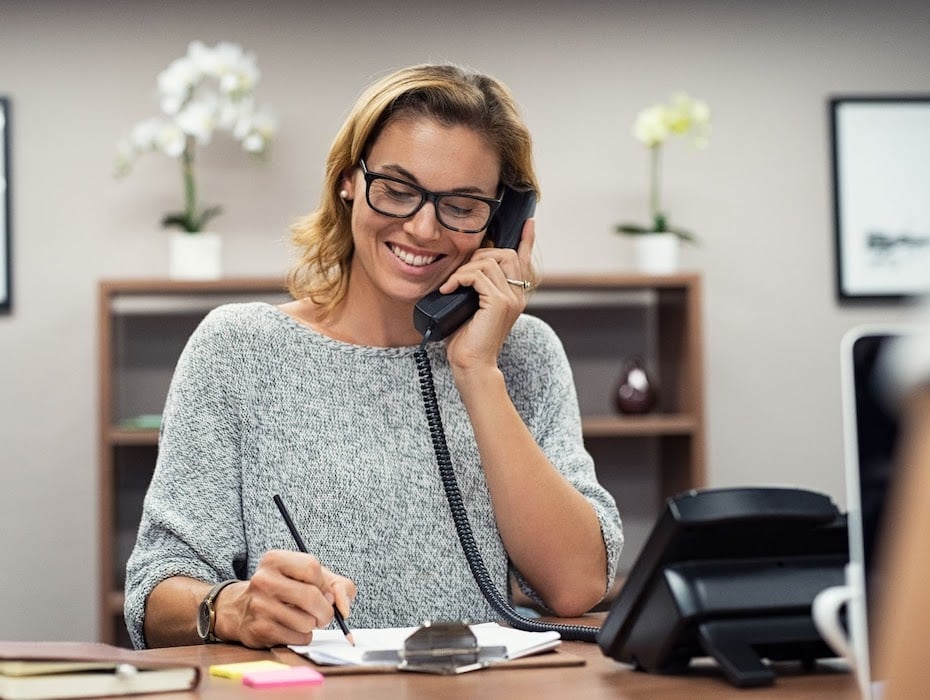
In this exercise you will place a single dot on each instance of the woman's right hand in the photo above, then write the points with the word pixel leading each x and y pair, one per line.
pixel 289 595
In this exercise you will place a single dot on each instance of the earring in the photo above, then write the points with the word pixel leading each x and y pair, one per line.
pixel 344 194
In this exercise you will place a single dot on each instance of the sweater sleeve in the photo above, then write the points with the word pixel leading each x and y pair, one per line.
pixel 541 383
pixel 191 522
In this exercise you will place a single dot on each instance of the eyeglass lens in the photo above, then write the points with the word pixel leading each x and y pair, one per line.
pixel 457 212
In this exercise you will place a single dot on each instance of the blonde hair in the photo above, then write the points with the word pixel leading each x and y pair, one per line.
pixel 451 95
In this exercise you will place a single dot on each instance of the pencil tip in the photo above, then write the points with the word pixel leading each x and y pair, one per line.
pixel 351 639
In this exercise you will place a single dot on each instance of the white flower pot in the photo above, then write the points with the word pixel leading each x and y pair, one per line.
pixel 195 256
pixel 656 253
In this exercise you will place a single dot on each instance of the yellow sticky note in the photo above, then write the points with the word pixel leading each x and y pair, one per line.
pixel 238 670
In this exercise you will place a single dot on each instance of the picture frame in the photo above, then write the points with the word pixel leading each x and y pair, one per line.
pixel 881 211
pixel 6 234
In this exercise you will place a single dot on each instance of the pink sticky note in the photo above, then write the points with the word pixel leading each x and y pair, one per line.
pixel 295 675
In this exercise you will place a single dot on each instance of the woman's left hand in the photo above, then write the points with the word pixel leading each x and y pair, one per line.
pixel 478 342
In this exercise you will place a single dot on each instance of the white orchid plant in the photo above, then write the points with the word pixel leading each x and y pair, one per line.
pixel 681 116
pixel 207 90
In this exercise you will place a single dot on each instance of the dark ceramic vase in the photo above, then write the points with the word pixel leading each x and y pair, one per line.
pixel 635 391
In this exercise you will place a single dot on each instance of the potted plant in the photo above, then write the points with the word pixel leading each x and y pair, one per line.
pixel 656 243
pixel 206 90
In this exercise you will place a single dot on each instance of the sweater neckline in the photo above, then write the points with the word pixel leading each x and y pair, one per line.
pixel 285 319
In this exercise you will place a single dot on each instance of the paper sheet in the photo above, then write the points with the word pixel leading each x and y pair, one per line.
pixel 329 647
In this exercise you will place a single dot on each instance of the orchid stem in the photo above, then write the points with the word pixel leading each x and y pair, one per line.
pixel 190 188
pixel 655 180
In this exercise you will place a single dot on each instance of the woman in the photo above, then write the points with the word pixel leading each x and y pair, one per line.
pixel 317 400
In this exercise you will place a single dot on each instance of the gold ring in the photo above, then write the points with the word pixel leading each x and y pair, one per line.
pixel 523 284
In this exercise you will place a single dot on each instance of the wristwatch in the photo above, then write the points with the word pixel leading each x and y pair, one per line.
pixel 206 613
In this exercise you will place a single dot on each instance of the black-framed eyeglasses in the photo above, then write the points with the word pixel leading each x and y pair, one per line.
pixel 391 196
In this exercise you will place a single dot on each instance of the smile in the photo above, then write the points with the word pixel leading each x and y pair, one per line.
pixel 410 259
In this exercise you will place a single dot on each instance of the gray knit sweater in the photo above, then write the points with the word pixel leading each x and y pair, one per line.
pixel 262 405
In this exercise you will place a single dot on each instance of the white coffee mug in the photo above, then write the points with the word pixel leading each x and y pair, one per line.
pixel 827 611
pixel 853 645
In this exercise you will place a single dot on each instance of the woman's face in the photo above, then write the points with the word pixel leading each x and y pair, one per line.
pixel 405 259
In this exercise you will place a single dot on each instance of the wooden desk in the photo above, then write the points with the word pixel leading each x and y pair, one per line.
pixel 600 677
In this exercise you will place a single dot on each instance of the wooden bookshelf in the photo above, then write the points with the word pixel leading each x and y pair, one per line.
pixel 144 324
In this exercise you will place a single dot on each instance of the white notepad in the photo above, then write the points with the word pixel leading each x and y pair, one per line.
pixel 330 648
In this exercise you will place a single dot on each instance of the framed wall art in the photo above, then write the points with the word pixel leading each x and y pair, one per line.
pixel 5 218
pixel 881 196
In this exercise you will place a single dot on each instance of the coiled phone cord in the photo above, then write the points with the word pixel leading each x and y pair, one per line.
pixel 569 632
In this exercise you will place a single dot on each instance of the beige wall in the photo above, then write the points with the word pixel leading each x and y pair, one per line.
pixel 80 73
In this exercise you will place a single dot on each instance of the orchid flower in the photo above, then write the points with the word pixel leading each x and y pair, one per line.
pixel 205 91
pixel 681 116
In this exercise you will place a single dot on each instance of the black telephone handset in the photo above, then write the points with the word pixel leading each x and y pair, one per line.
pixel 441 314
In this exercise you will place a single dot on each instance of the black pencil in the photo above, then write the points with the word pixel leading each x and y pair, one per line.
pixel 303 548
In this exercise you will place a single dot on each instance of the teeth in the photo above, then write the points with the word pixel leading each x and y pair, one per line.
pixel 414 260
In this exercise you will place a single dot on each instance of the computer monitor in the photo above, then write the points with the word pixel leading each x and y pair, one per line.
pixel 870 430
